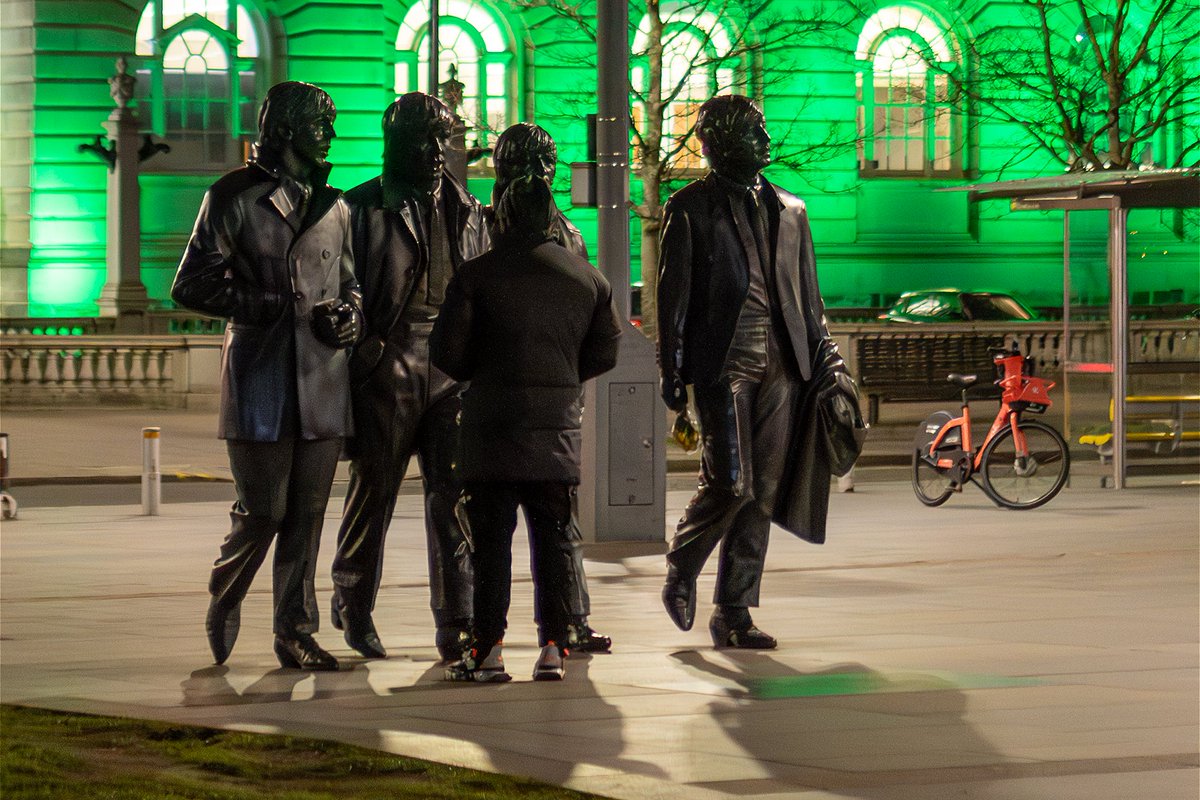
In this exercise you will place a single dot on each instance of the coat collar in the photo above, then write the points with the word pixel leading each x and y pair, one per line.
pixel 289 196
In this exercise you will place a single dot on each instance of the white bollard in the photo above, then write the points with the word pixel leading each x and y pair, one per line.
pixel 151 477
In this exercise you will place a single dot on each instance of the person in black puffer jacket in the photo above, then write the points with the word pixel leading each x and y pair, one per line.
pixel 526 324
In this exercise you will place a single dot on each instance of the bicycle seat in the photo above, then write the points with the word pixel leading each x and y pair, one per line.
pixel 962 380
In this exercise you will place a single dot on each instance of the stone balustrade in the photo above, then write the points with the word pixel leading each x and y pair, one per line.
pixel 163 371
pixel 183 370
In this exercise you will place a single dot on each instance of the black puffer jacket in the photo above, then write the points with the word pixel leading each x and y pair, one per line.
pixel 526 325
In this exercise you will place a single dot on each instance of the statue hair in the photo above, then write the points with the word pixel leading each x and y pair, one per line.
pixel 290 106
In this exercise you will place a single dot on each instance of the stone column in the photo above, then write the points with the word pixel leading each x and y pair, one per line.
pixel 124 295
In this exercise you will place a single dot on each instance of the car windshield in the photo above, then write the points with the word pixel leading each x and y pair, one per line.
pixel 993 306
pixel 931 305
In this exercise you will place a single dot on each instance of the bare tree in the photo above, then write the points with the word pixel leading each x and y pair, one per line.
pixel 683 53
pixel 1094 84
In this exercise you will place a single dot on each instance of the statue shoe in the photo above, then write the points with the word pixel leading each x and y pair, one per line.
pixel 360 633
pixel 222 625
pixel 582 639
pixel 679 598
pixel 744 635
pixel 303 652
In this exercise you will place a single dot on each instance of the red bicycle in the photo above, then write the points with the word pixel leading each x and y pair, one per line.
pixel 1022 463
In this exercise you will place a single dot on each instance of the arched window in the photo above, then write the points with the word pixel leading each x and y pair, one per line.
pixel 201 74
pixel 907 121
pixel 696 64
pixel 475 47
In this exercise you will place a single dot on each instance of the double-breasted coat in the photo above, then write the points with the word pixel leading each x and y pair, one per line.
pixel 254 259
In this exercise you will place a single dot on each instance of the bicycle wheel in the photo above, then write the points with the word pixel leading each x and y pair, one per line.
pixel 1025 482
pixel 930 483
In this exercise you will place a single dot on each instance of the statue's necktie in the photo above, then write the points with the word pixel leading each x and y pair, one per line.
pixel 439 263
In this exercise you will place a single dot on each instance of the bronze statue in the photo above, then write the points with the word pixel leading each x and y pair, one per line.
pixel 271 253
pixel 413 226
pixel 525 324
pixel 742 322
pixel 526 150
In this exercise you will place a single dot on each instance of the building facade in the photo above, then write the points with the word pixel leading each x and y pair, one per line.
pixel 866 131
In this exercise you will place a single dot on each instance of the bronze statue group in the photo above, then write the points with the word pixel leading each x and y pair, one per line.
pixel 403 318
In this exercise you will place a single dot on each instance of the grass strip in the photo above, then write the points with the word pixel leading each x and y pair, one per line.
pixel 48 755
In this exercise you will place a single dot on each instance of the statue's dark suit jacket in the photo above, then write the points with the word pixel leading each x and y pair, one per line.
pixel 388 248
pixel 702 286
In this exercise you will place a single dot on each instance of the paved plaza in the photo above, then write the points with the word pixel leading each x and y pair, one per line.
pixel 959 652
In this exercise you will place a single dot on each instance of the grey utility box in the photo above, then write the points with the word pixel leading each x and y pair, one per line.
pixel 622 491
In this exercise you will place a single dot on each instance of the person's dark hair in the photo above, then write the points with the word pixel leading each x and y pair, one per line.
pixel 525 212
pixel 722 119
pixel 525 149
pixel 417 112
pixel 289 106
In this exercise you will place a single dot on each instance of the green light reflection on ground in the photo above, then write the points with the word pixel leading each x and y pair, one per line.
pixel 844 683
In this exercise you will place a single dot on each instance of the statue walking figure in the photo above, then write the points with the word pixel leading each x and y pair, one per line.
pixel 741 321
pixel 413 225
pixel 271 253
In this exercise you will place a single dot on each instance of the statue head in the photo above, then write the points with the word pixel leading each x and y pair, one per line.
pixel 416 132
pixel 524 149
pixel 524 212
pixel 733 134
pixel 295 127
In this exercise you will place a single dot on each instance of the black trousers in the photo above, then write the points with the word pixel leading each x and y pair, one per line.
pixel 406 406
pixel 491 511
pixel 283 489
pixel 745 419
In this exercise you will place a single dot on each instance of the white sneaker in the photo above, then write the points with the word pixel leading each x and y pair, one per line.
pixel 490 669
pixel 549 666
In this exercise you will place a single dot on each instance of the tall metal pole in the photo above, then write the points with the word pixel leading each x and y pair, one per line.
pixel 434 47
pixel 622 494
pixel 1119 314
pixel 612 147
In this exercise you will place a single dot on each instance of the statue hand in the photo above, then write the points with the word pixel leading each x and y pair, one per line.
pixel 349 327
pixel 335 323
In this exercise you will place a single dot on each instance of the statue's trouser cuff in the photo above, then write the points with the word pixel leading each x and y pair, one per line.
pixel 406 406
pixel 745 417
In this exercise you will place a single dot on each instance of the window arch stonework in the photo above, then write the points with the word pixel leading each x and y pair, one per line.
pixel 909 123
pixel 477 47
pixel 201 74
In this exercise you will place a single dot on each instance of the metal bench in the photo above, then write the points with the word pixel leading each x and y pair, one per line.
pixel 913 366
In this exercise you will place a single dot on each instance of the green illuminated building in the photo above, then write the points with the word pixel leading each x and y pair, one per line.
pixel 204 65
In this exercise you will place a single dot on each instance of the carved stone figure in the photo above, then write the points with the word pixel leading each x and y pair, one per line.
pixel 525 324
pixel 526 150
pixel 271 253
pixel 413 226
pixel 120 85
pixel 741 321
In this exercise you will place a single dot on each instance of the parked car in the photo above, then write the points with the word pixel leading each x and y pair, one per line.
pixel 955 305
